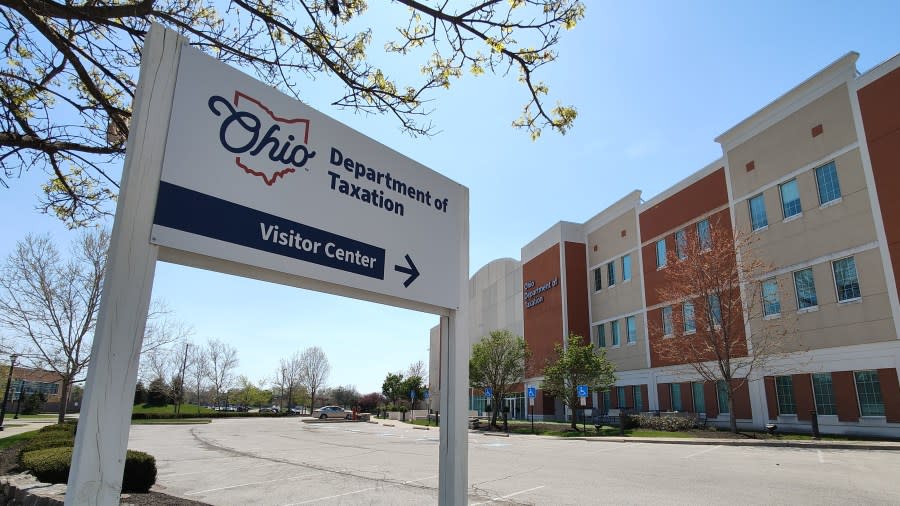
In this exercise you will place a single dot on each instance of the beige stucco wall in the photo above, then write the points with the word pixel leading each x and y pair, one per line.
pixel 626 356
pixel 625 296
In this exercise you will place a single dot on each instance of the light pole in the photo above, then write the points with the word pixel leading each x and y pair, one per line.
pixel 12 365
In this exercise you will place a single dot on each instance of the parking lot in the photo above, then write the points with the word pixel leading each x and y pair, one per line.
pixel 287 462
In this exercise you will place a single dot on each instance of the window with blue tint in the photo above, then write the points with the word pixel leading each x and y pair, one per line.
pixel 631 329
pixel 704 235
pixel 676 396
pixel 868 391
pixel 638 401
pixel 758 217
pixel 805 287
pixel 827 181
pixel 626 267
pixel 620 393
pixel 699 401
pixel 722 394
pixel 667 321
pixel 660 253
pixel 824 393
pixel 598 279
pixel 771 300
pixel 687 311
pixel 614 330
pixel 606 403
pixel 790 199
pixel 784 392
pixel 715 310
pixel 611 274
pixel 601 335
pixel 681 244
pixel 845 279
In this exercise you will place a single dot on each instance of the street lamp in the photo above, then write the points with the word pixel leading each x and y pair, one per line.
pixel 12 364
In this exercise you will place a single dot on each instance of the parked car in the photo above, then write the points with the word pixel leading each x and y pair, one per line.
pixel 273 409
pixel 332 412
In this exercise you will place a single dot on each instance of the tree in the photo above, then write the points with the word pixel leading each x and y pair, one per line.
pixel 346 396
pixel 289 370
pixel 392 387
pixel 140 393
pixel 158 393
pixel 221 362
pixel 412 389
pixel 51 304
pixel 577 363
pixel 314 370
pixel 708 329
pixel 419 369
pixel 68 77
pixel 197 370
pixel 498 361
pixel 370 402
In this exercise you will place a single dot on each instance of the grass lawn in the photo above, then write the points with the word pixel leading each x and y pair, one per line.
pixel 187 409
pixel 174 421
pixel 42 416
pixel 11 440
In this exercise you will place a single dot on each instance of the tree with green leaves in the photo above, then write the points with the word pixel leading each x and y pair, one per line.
pixel 416 385
pixel 577 363
pixel 69 69
pixel 498 361
pixel 392 387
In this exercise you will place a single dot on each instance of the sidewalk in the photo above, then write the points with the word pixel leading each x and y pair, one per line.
pixel 12 426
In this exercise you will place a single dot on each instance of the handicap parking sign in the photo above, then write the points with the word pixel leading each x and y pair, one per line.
pixel 532 392
pixel 582 391
pixel 488 392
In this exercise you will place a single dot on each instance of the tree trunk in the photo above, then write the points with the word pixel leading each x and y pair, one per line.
pixel 574 417
pixel 63 400
pixel 731 418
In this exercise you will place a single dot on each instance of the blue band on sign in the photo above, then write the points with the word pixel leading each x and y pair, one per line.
pixel 197 213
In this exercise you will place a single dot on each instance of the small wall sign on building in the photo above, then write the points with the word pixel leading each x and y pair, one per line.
pixel 533 295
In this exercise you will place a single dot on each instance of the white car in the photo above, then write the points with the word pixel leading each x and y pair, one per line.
pixel 326 412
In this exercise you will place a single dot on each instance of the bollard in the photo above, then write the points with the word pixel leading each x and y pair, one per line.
pixel 814 417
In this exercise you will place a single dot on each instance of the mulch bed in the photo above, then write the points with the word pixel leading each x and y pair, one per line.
pixel 8 465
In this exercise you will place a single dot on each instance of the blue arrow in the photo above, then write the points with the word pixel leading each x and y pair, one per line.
pixel 411 270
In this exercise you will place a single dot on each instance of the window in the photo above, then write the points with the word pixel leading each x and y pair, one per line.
pixel 626 267
pixel 770 299
pixel 687 310
pixel 681 244
pixel 601 335
pixel 845 279
pixel 598 279
pixel 758 217
pixel 868 390
pixel 631 329
pixel 699 401
pixel 805 288
pixel 790 199
pixel 722 395
pixel 667 321
pixel 611 274
pixel 824 394
pixel 620 393
pixel 660 253
pixel 827 181
pixel 614 330
pixel 638 402
pixel 675 394
pixel 784 392
pixel 606 402
pixel 715 310
pixel 703 235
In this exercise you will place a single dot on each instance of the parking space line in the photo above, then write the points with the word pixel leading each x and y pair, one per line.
pixel 507 496
pixel 198 492
pixel 702 452
pixel 206 471
pixel 821 457
pixel 360 491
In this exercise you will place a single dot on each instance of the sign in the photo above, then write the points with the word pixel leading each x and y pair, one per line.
pixel 412 395
pixel 582 391
pixel 532 392
pixel 532 296
pixel 253 176
pixel 426 395
pixel 488 392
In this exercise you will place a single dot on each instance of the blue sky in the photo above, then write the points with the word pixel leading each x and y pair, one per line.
pixel 654 83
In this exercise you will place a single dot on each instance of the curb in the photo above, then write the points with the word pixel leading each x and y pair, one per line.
pixel 826 445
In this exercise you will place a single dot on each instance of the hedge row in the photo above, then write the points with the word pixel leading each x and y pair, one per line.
pixel 218 414
pixel 48 456
pixel 667 423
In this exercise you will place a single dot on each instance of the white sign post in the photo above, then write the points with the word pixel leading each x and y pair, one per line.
pixel 224 173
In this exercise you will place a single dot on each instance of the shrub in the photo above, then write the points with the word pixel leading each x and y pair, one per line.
pixel 68 427
pixel 33 403
pixel 51 465
pixel 48 440
pixel 667 423
pixel 140 472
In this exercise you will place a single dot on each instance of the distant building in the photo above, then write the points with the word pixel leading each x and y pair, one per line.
pixel 26 381
pixel 815 176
